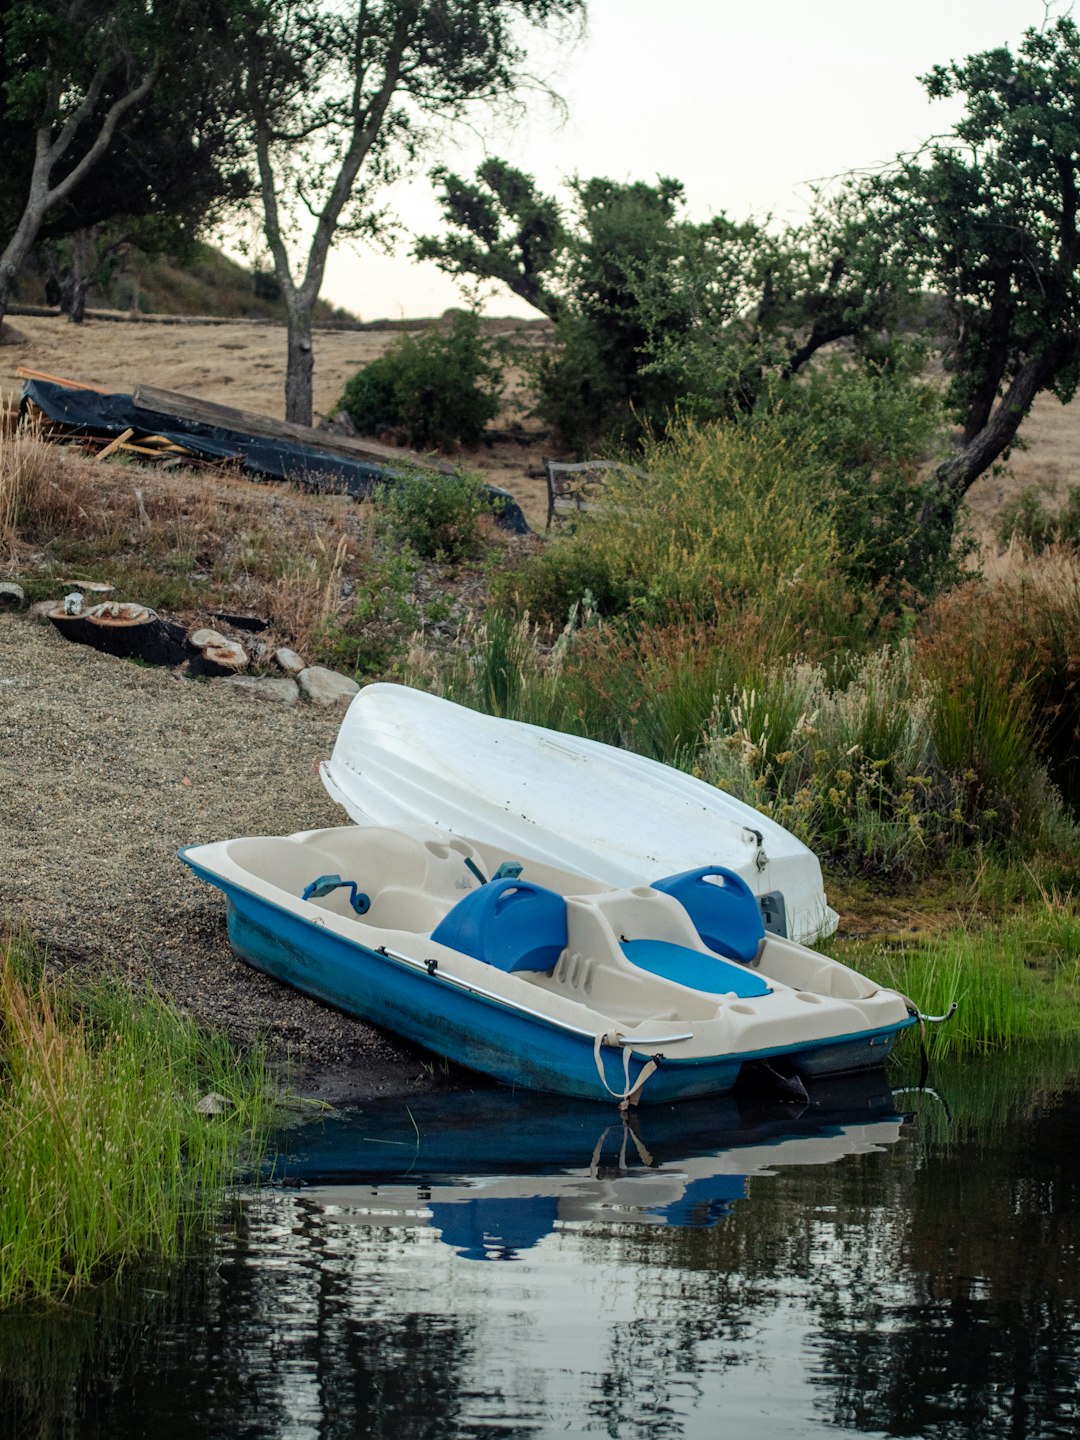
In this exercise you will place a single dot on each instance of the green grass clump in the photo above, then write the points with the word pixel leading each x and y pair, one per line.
pixel 104 1157
pixel 1014 981
pixel 709 517
pixel 438 516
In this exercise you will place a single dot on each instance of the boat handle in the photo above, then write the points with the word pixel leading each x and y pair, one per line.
pixel 633 1041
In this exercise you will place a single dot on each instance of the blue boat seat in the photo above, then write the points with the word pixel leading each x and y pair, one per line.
pixel 722 909
pixel 692 968
pixel 510 923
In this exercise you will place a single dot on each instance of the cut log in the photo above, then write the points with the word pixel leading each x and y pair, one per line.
pixel 251 623
pixel 212 655
pixel 129 631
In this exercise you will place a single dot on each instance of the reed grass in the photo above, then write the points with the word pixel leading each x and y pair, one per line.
pixel 1016 980
pixel 847 767
pixel 104 1157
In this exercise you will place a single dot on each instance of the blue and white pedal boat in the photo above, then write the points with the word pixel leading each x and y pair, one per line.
pixel 540 977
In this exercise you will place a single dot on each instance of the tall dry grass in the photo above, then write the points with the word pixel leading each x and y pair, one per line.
pixel 41 492
pixel 182 541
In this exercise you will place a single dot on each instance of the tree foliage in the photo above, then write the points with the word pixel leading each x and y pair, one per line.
pixel 655 311
pixel 341 99
pixel 499 228
pixel 144 84
pixel 988 219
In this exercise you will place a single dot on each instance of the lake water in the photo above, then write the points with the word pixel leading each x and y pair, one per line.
pixel 882 1262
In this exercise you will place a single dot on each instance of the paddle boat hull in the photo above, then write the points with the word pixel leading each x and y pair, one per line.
pixel 567 1004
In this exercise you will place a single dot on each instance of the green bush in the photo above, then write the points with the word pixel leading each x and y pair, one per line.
pixel 875 425
pixel 711 517
pixel 441 387
pixel 436 515
pixel 1026 517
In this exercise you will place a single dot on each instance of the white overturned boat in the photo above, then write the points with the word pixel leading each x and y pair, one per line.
pixel 540 977
pixel 403 756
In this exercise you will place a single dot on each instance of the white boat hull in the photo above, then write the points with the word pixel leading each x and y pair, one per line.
pixel 406 757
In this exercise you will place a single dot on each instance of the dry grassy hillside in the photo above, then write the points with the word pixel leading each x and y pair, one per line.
pixel 239 363
pixel 242 363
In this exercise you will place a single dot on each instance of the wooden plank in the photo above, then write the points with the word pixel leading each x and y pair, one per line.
pixel 115 445
pixel 266 428
pixel 24 372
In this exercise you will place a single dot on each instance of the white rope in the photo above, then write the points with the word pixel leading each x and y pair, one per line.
pixel 630 1094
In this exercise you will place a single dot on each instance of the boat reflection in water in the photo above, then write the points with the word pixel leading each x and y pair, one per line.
pixel 494 1171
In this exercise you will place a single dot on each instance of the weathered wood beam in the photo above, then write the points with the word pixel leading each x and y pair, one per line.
pixel 207 412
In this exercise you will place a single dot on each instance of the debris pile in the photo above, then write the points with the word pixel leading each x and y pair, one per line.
pixel 165 428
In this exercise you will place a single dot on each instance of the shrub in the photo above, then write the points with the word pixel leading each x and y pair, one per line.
pixel 1026 517
pixel 368 640
pixel 1021 638
pixel 875 425
pixel 713 516
pixel 441 387
pixel 845 766
pixel 438 516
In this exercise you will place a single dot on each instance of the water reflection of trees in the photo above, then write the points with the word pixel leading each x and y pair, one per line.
pixel 941 1280
pixel 296 1345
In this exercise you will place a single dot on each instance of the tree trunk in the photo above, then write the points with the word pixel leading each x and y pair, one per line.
pixel 80 277
pixel 300 368
pixel 19 246
pixel 77 312
pixel 48 152
pixel 954 477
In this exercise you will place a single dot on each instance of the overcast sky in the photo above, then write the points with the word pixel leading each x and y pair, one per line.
pixel 748 104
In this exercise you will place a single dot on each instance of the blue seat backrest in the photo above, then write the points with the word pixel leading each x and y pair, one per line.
pixel 511 924
pixel 722 909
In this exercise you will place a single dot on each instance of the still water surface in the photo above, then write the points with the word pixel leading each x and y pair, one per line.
pixel 884 1262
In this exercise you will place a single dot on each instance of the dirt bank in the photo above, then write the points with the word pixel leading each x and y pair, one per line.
pixel 105 769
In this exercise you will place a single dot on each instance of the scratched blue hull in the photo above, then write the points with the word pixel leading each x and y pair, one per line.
pixel 486 1034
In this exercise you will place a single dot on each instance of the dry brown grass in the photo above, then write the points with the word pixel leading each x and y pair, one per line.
pixel 1053 570
pixel 188 542
pixel 39 491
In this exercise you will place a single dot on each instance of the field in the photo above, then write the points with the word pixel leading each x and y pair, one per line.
pixel 241 363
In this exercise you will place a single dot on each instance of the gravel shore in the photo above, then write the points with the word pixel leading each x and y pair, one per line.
pixel 106 768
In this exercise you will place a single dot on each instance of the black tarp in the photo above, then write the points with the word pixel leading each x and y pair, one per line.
pixel 88 412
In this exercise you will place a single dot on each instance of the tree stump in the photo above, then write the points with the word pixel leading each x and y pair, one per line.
pixel 125 629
